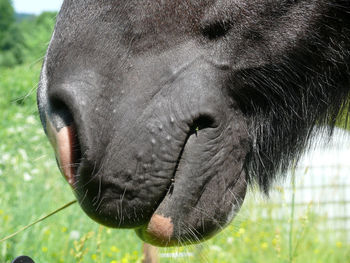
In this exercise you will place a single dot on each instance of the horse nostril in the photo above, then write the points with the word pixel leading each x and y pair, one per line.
pixel 59 114
pixel 62 133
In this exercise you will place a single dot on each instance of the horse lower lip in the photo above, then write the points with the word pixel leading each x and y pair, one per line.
pixel 159 231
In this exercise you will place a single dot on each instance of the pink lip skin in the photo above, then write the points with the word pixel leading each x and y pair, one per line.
pixel 63 141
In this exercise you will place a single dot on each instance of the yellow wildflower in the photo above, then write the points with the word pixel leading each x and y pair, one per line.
pixel 114 249
pixel 241 231
pixel 264 245
pixel 47 232
pixel 274 241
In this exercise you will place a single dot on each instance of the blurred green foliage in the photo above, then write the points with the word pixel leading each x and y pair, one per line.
pixel 23 40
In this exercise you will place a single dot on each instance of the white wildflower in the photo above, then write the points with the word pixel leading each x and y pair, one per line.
pixel 35 138
pixel 5 158
pixel 18 116
pixel 11 130
pixel 26 165
pixel 14 161
pixel 27 177
pixel 23 153
pixel 30 120
pixel 215 248
pixel 230 240
pixel 20 129
pixel 74 235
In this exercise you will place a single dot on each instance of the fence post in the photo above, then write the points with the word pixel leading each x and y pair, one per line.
pixel 150 254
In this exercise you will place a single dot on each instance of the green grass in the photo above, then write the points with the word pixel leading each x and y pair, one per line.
pixel 31 186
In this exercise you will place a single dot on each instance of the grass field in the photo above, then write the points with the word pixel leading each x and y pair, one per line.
pixel 31 186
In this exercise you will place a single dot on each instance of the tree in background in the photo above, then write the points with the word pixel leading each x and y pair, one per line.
pixel 7 16
pixel 36 32
pixel 24 39
pixel 11 39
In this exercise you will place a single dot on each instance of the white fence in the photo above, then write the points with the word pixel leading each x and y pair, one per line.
pixel 322 182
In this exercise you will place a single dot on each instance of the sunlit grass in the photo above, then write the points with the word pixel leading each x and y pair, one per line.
pixel 31 186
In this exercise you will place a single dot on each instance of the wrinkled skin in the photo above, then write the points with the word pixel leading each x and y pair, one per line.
pixel 154 110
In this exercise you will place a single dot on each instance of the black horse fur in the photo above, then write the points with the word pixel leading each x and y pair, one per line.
pixel 307 88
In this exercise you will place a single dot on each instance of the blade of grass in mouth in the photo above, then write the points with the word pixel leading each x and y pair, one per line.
pixel 38 221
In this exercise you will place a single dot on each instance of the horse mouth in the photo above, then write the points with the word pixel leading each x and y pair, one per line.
pixel 160 225
pixel 160 230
